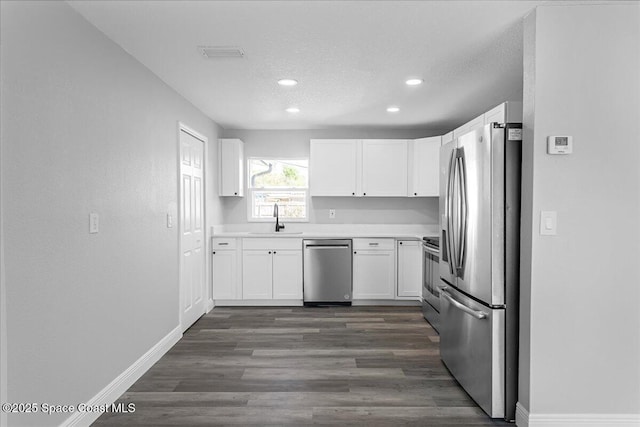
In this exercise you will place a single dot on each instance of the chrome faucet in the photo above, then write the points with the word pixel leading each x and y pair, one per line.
pixel 275 214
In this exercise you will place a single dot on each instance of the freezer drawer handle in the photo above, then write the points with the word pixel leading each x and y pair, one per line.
pixel 474 313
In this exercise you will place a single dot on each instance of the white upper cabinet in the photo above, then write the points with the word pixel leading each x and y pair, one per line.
pixel 231 167
pixel 474 124
pixel 447 137
pixel 374 167
pixel 333 170
pixel 507 112
pixel 424 161
pixel 384 167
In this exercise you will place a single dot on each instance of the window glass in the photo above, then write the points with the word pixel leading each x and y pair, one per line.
pixel 283 182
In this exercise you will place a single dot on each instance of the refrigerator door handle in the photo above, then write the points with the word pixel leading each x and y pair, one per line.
pixel 449 210
pixel 464 212
pixel 475 313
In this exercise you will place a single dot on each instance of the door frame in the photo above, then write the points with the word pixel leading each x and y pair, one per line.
pixel 207 262
pixel 3 308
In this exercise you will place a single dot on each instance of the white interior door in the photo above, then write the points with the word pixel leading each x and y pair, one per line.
pixel 192 241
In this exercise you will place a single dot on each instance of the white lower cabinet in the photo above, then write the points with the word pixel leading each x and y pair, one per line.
pixel 272 269
pixel 257 274
pixel 409 269
pixel 373 269
pixel 225 269
pixel 287 274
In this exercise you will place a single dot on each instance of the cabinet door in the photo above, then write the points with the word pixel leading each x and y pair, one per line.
pixel 333 167
pixel 447 137
pixel 424 162
pixel 474 124
pixel 496 114
pixel 257 271
pixel 409 268
pixel 373 275
pixel 384 167
pixel 225 282
pixel 287 274
pixel 231 167
pixel 507 112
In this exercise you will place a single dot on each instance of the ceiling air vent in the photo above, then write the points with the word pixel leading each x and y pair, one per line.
pixel 220 52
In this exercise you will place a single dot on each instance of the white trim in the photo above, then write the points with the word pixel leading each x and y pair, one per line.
pixel 3 309
pixel 250 190
pixel 299 302
pixel 258 302
pixel 522 416
pixel 207 263
pixel 393 302
pixel 526 419
pixel 122 382
pixel 210 304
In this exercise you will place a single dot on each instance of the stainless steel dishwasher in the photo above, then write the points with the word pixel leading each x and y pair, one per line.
pixel 327 271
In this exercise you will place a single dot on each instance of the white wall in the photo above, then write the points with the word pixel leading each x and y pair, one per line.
pixel 295 143
pixel 580 330
pixel 85 128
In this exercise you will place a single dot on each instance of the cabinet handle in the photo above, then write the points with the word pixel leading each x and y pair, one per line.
pixel 235 194
pixel 364 194
pixel 415 194
pixel 353 194
pixel 269 252
pixel 400 242
pixel 354 252
pixel 214 252
pixel 274 252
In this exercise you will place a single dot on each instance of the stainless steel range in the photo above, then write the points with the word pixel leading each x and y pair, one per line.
pixel 431 280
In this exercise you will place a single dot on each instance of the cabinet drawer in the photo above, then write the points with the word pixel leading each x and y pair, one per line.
pixel 222 243
pixel 269 244
pixel 373 244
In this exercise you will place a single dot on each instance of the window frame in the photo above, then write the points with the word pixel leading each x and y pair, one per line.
pixel 251 190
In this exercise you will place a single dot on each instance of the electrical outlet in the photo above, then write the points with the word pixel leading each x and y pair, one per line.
pixel 94 222
pixel 332 213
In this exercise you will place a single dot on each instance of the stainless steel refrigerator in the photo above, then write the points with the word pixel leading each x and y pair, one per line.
pixel 479 264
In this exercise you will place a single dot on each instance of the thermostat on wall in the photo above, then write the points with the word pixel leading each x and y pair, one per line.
pixel 560 144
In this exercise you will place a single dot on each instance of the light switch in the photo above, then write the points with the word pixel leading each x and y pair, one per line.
pixel 548 223
pixel 93 222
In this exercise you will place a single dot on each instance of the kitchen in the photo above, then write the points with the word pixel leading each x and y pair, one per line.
pixel 123 281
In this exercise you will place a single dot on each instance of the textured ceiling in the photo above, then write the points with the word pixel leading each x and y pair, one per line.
pixel 351 58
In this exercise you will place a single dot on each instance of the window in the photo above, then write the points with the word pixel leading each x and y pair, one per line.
pixel 281 181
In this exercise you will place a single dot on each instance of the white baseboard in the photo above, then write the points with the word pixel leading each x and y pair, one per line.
pixel 525 419
pixel 394 302
pixel 210 305
pixel 122 382
pixel 258 302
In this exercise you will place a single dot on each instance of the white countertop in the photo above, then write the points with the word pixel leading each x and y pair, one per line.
pixel 328 231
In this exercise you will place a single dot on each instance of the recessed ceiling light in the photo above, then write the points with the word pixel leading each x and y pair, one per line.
pixel 287 82
pixel 393 109
pixel 292 110
pixel 414 82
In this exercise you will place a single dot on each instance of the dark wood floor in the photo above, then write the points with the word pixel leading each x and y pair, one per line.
pixel 299 366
